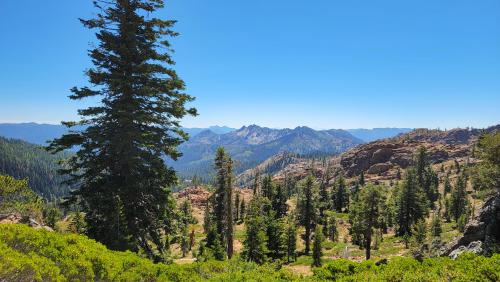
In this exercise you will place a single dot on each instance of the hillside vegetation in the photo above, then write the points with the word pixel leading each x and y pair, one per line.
pixel 27 254
pixel 21 159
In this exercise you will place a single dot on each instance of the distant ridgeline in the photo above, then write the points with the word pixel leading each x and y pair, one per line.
pixel 21 159
pixel 251 145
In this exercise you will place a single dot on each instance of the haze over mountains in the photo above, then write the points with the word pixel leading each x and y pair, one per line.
pixel 39 133
pixel 249 145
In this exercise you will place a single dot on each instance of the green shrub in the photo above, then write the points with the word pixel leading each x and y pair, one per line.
pixel 28 254
pixel 468 267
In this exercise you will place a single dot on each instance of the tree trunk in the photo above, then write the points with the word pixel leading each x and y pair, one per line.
pixel 229 203
pixel 308 239
pixel 368 246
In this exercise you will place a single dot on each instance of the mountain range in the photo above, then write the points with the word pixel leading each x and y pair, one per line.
pixel 249 145
pixel 40 133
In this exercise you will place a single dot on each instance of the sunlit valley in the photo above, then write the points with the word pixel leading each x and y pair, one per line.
pixel 343 174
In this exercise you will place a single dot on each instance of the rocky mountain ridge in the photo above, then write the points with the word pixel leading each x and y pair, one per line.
pixel 384 158
pixel 251 145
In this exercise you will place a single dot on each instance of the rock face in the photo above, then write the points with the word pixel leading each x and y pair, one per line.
pixel 380 156
pixel 384 160
pixel 474 247
pixel 196 195
pixel 379 168
pixel 484 228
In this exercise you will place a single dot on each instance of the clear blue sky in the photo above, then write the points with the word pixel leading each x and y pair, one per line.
pixel 324 64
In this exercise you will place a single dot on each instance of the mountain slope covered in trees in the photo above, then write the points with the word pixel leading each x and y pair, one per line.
pixel 21 159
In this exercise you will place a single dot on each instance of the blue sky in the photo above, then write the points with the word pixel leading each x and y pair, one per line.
pixel 280 63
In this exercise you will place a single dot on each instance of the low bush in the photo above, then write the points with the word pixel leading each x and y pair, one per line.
pixel 28 254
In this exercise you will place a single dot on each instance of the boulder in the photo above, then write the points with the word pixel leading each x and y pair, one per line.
pixel 379 168
pixel 401 160
pixel 474 247
pixel 381 155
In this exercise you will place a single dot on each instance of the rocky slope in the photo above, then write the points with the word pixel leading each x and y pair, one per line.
pixel 382 159
pixel 481 234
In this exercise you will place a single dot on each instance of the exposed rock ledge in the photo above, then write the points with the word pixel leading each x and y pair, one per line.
pixel 482 233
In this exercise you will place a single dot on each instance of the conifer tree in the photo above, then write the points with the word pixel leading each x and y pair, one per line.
pixel 317 246
pixel 218 250
pixel 458 199
pixel 276 237
pixel 436 227
pixel 421 165
pixel 420 231
pixel 398 174
pixel 207 216
pixel 447 206
pixel 184 241
pixel 223 202
pixel 461 222
pixel 324 199
pixel 279 202
pixel 430 186
pixel 256 183
pixel 255 243
pixel 77 224
pixel 268 187
pixel 291 240
pixel 119 166
pixel 229 208
pixel 426 176
pixel 237 207
pixel 457 166
pixel 486 174
pixel 307 209
pixel 218 198
pixel 355 192
pixel 362 179
pixel 410 203
pixel 331 228
pixel 366 215
pixel 447 184
pixel 242 210
pixel 340 195
pixel 255 248
pixel 51 215
pixel 186 218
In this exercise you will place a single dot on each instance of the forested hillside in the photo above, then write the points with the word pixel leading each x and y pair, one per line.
pixel 21 159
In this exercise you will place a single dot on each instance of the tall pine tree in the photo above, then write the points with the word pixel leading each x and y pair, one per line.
pixel 307 209
pixel 367 215
pixel 458 197
pixel 223 200
pixel 119 167
pixel 340 195
pixel 411 204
